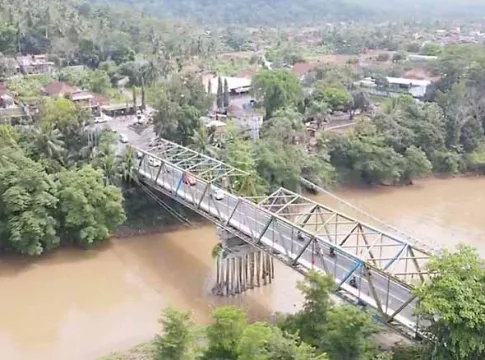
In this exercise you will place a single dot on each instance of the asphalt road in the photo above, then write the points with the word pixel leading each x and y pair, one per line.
pixel 282 238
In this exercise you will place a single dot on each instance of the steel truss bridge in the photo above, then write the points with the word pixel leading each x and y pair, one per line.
pixel 371 268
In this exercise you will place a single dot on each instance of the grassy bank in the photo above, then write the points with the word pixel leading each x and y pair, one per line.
pixel 139 352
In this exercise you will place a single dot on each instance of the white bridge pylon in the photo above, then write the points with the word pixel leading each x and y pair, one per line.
pixel 372 268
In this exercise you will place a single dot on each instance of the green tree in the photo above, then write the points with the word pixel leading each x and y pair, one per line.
pixel 310 322
pixel 383 57
pixel 276 89
pixel 240 154
pixel 289 347
pixel 347 333
pixel 399 56
pixel 175 122
pixel 417 164
pixel 317 111
pixel 27 204
pixel 278 164
pixel 225 334
pixel 283 126
pixel 430 49
pixel 360 101
pixel 220 94
pixel 63 115
pixel 177 340
pixel 373 160
pixel 180 106
pixel 338 99
pixel 453 302
pixel 88 210
pixel 254 342
pixel 226 98
pixel 407 352
pixel 203 141
pixel 48 143
pixel 99 81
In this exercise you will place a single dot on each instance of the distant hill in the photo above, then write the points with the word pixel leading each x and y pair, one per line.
pixel 252 12
pixel 287 12
pixel 416 9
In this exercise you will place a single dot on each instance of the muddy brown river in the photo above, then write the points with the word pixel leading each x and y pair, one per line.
pixel 77 304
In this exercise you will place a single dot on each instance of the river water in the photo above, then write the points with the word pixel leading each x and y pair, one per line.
pixel 76 304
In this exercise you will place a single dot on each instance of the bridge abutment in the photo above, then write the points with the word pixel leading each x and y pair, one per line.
pixel 240 267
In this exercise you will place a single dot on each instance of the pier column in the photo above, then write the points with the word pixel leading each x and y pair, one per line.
pixel 240 267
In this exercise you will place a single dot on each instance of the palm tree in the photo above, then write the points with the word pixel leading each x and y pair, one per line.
pixel 126 163
pixel 318 111
pixel 203 142
pixel 148 73
pixel 49 143
pixel 109 165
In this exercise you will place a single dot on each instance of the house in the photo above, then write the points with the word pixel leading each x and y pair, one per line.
pixel 10 110
pixel 421 58
pixel 81 98
pixel 396 87
pixel 417 88
pixel 58 89
pixel 35 65
pixel 236 85
pixel 245 117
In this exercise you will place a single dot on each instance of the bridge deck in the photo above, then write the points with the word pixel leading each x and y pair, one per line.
pixel 297 230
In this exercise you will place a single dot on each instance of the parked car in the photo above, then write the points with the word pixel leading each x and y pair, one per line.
pixel 216 193
pixel 123 138
pixel 189 179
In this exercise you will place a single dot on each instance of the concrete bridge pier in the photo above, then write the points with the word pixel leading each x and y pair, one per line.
pixel 240 267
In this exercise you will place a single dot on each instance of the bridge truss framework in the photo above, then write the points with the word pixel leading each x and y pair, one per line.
pixel 300 232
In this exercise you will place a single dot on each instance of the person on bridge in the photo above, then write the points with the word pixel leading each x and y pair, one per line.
pixel 353 282
pixel 300 236
pixel 332 251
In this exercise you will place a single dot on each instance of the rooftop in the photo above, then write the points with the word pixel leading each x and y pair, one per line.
pixel 27 60
pixel 410 82
pixel 59 88
pixel 300 69
pixel 81 95
pixel 233 83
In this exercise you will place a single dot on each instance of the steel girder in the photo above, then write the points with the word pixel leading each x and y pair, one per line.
pixel 300 232
pixel 372 246
pixel 197 164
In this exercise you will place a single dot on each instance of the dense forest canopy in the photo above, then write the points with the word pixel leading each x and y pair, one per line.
pixel 279 12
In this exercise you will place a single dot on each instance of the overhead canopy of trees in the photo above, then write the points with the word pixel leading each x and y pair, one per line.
pixel 276 89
